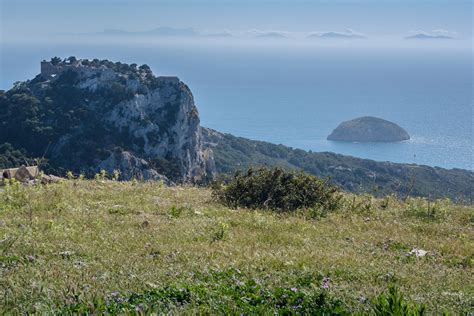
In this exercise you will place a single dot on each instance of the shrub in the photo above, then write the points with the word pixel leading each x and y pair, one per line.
pixel 360 204
pixel 116 175
pixel 14 197
pixel 277 189
pixel 176 211
pixel 220 231
pixel 11 157
pixel 394 303
pixel 427 210
pixel 101 176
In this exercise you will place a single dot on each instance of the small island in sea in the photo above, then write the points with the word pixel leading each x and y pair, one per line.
pixel 368 129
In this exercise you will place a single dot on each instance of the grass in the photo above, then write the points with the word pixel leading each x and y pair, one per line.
pixel 98 246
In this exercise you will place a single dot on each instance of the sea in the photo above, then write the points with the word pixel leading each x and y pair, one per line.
pixel 296 93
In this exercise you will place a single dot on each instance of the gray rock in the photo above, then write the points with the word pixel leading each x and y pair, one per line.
pixel 130 167
pixel 45 179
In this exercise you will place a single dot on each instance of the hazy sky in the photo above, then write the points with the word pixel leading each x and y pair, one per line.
pixel 35 18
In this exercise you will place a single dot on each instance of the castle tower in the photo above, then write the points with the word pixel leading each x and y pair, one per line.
pixel 48 69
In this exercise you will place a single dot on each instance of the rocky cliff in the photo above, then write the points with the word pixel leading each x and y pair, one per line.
pixel 88 115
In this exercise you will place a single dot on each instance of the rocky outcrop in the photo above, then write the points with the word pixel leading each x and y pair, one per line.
pixel 368 129
pixel 93 115
pixel 131 167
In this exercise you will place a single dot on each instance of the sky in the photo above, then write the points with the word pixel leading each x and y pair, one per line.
pixel 33 19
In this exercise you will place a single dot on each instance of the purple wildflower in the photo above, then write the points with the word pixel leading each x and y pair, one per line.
pixel 115 294
pixel 325 284
pixel 294 289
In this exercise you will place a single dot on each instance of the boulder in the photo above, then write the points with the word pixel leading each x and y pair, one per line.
pixel 46 179
pixel 21 174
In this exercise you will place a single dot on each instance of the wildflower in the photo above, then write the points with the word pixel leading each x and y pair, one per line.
pixel 115 294
pixel 326 281
pixel 294 289
pixel 66 254
pixel 363 299
pixel 239 283
pixel 116 297
pixel 79 264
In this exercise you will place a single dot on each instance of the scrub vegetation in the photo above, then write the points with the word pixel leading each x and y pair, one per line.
pixel 103 246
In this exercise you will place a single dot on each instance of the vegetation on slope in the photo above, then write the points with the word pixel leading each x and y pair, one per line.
pixel 13 158
pixel 94 246
pixel 352 174
pixel 37 113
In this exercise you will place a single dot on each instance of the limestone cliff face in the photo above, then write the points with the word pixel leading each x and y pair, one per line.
pixel 142 125
pixel 164 123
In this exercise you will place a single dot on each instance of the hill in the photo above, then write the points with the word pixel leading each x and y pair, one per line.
pixel 232 153
pixel 87 115
pixel 94 247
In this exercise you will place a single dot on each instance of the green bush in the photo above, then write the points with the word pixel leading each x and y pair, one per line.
pixel 394 303
pixel 427 210
pixel 11 157
pixel 277 189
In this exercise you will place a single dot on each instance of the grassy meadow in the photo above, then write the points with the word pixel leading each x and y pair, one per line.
pixel 95 246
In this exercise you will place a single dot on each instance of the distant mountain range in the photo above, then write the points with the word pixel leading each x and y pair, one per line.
pixel 337 35
pixel 159 31
pixel 424 36
pixel 189 32
pixel 271 35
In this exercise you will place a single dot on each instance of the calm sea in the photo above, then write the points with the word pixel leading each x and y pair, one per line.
pixel 296 94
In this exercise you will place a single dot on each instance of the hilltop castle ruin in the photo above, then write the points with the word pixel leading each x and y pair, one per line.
pixel 50 69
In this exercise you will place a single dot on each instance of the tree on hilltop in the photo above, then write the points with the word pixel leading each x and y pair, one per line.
pixel 55 60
